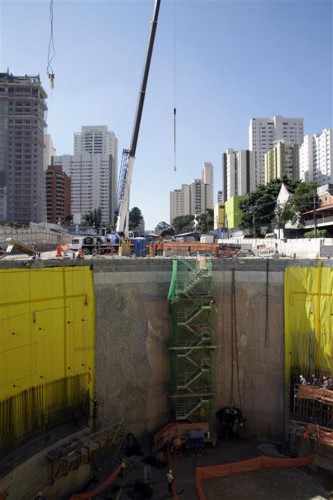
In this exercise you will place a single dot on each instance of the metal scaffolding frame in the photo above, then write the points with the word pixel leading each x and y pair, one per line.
pixel 191 346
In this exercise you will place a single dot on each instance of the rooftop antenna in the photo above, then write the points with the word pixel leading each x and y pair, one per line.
pixel 51 48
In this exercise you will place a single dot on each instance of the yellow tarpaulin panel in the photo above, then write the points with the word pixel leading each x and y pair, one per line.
pixel 308 321
pixel 47 345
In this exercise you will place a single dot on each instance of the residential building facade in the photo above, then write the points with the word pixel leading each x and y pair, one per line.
pixel 282 161
pixel 316 157
pixel 233 213
pixel 263 132
pixel 219 216
pixel 194 198
pixel 207 178
pixel 58 195
pixel 180 202
pixel 65 161
pixel 22 126
pixel 238 173
pixel 94 170
pixel 49 151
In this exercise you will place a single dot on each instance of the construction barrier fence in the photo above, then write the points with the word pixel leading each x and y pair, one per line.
pixel 47 345
pixel 309 346
pixel 203 474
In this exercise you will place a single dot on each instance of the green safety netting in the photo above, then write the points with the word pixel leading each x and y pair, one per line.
pixel 191 344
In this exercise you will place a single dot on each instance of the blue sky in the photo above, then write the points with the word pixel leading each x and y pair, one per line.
pixel 220 62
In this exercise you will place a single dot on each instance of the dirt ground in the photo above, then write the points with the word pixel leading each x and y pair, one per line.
pixel 287 484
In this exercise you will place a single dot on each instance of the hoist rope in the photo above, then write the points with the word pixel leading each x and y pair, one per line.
pixel 51 47
pixel 175 87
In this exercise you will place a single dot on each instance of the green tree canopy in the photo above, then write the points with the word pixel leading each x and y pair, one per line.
pixel 164 229
pixel 183 223
pixel 305 197
pixel 259 208
pixel 206 221
pixel 321 233
pixel 135 218
pixel 93 218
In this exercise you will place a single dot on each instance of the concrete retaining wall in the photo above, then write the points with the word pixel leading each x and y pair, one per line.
pixel 133 327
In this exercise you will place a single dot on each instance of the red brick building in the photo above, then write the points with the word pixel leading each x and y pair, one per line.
pixel 58 195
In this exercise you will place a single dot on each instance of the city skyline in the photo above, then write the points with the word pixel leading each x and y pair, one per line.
pixel 268 71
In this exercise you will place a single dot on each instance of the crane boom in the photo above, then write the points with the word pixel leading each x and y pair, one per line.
pixel 128 156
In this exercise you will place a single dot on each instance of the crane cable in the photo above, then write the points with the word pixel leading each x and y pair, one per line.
pixel 51 47
pixel 174 89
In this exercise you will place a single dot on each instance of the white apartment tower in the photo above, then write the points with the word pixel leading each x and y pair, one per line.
pixel 194 198
pixel 263 132
pixel 94 172
pixel 238 173
pixel 180 202
pixel 49 151
pixel 316 157
pixel 207 178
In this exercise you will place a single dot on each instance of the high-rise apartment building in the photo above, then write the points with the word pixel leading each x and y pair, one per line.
pixel 238 173
pixel 207 178
pixel 22 126
pixel 58 195
pixel 180 202
pixel 94 170
pixel 194 198
pixel 65 161
pixel 316 157
pixel 49 151
pixel 282 161
pixel 263 132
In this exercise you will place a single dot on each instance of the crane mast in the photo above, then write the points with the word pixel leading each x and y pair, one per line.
pixel 128 155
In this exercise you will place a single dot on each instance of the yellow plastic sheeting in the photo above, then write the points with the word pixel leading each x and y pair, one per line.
pixel 47 342
pixel 309 320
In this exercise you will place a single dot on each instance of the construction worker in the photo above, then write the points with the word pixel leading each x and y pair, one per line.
pixel 171 481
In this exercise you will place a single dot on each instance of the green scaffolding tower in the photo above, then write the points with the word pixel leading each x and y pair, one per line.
pixel 191 346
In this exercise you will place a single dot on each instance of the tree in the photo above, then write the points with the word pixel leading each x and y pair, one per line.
pixel 183 223
pixel 164 229
pixel 93 218
pixel 206 221
pixel 258 208
pixel 305 197
pixel 135 218
pixel 321 233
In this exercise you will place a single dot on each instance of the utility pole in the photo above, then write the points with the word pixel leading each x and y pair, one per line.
pixel 314 214
pixel 254 223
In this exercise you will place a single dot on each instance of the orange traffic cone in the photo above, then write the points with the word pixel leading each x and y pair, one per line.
pixel 59 251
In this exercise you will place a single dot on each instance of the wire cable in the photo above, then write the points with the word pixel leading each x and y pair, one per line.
pixel 51 48
pixel 175 88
